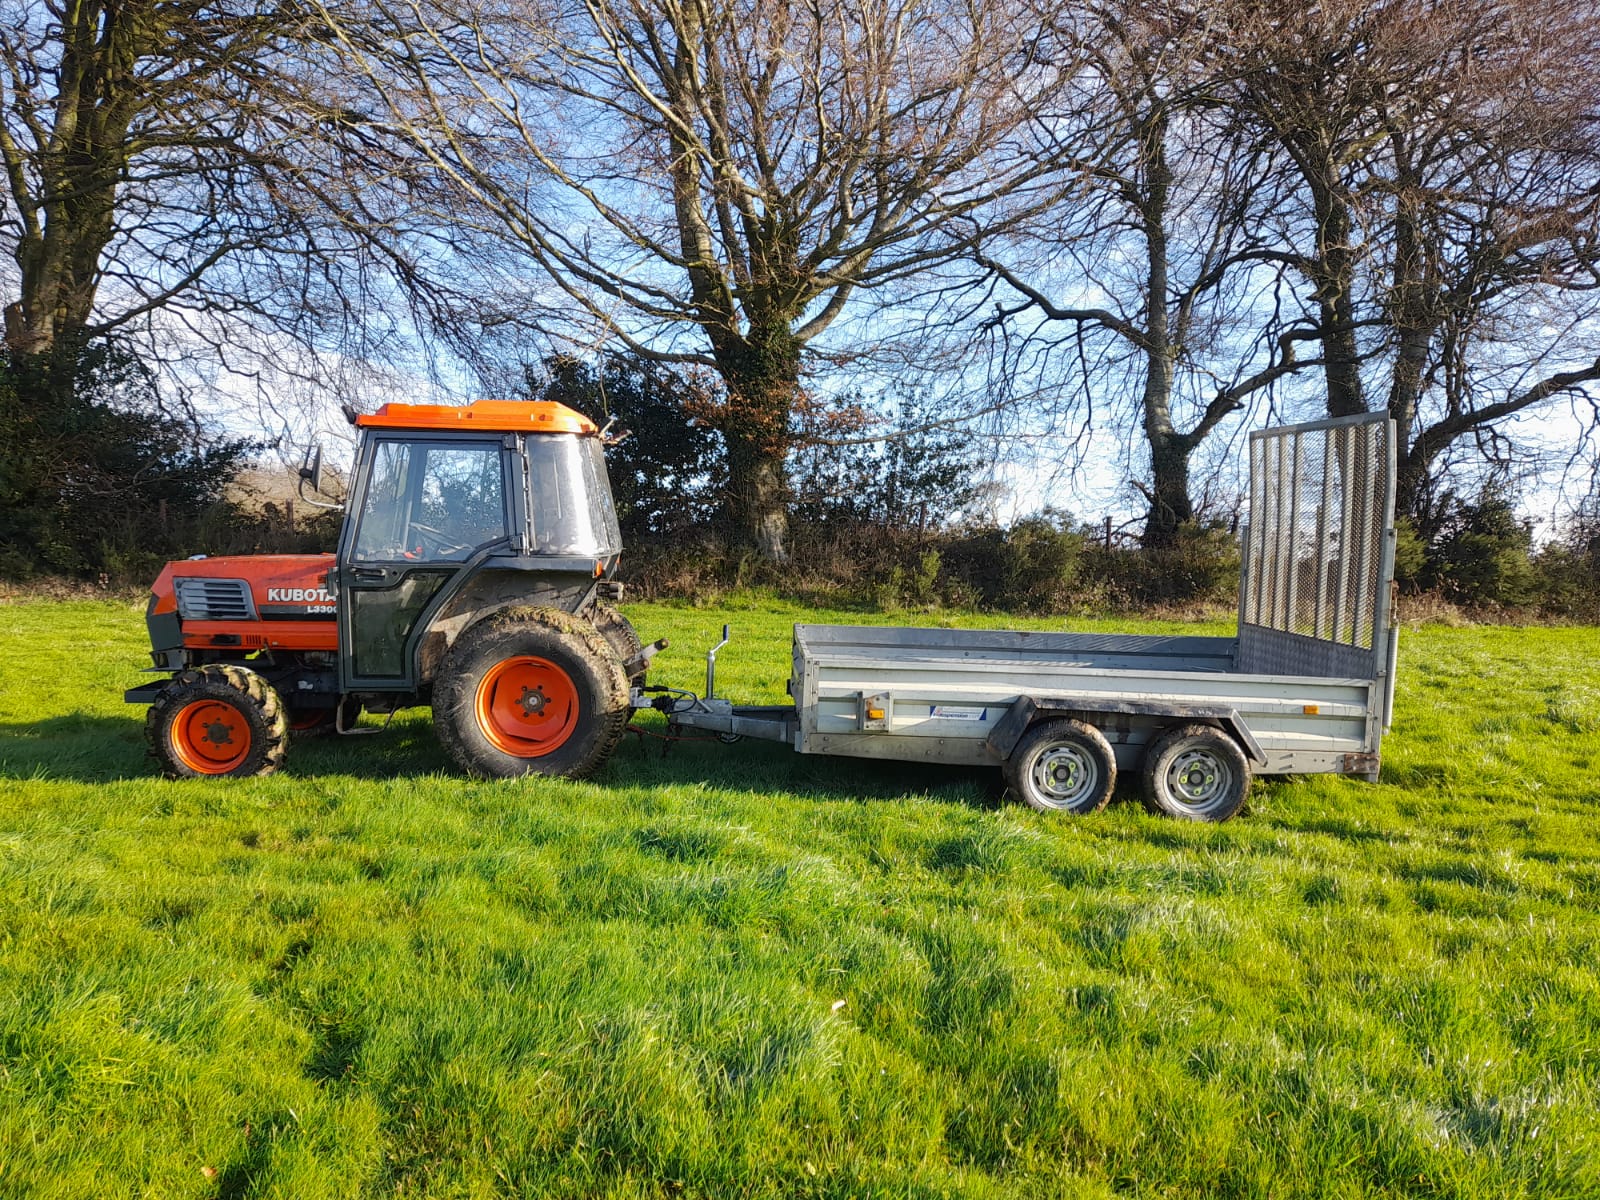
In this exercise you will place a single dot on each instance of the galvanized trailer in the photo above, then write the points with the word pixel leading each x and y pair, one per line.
pixel 1305 686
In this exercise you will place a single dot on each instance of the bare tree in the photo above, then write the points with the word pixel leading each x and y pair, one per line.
pixel 162 161
pixel 718 182
pixel 1449 156
pixel 1174 270
pixel 1307 77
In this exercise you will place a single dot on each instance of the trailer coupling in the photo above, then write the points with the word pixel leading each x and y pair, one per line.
pixel 684 710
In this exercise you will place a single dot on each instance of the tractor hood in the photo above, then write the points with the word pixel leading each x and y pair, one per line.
pixel 262 601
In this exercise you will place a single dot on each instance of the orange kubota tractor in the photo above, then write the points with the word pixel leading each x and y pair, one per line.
pixel 473 573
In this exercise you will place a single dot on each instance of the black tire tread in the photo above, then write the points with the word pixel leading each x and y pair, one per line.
pixel 274 741
pixel 1015 770
pixel 613 718
pixel 322 728
pixel 1149 778
pixel 622 637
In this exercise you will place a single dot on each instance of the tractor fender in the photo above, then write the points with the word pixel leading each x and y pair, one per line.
pixel 493 588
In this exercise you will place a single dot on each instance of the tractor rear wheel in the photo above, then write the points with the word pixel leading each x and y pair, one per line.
pixel 621 636
pixel 310 722
pixel 217 720
pixel 530 691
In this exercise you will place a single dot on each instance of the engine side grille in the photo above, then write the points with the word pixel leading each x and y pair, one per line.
pixel 214 600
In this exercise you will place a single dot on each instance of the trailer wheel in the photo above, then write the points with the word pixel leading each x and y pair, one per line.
pixel 1195 773
pixel 1063 766
pixel 217 720
pixel 530 691
pixel 621 636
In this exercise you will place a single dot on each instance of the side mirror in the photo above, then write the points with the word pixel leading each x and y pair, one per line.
pixel 311 468
pixel 311 472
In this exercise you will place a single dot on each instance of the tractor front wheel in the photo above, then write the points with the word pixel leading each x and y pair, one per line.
pixel 530 691
pixel 217 720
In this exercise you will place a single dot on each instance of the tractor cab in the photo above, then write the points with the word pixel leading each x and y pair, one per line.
pixel 453 508
pixel 470 532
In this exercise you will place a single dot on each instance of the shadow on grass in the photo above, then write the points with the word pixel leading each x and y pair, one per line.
pixel 74 746
pixel 753 765
pixel 85 748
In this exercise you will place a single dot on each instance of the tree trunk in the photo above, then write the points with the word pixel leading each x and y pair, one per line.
pixel 1414 471
pixel 1334 279
pixel 68 219
pixel 1170 507
pixel 762 370
pixel 1415 325
pixel 758 495
pixel 1169 450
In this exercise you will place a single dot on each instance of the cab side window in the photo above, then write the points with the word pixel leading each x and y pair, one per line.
pixel 384 514
pixel 463 497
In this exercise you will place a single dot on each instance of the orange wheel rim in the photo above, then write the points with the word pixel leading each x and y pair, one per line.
pixel 308 719
pixel 527 706
pixel 210 737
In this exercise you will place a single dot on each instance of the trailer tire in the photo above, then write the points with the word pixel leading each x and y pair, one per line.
pixel 1195 773
pixel 1063 766
pixel 216 721
pixel 621 636
pixel 530 691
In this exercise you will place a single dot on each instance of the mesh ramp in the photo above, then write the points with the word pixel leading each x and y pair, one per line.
pixel 1319 549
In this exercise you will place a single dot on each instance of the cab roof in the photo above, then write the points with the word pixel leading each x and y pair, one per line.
pixel 498 416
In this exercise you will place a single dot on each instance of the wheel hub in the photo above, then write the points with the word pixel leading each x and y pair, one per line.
pixel 1199 778
pixel 210 737
pixel 1064 774
pixel 527 706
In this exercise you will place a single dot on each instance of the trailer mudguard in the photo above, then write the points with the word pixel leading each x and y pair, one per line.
pixel 1008 731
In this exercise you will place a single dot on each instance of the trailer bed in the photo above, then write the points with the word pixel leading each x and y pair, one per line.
pixel 945 692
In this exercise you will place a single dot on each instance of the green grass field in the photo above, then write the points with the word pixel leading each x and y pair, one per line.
pixel 732 971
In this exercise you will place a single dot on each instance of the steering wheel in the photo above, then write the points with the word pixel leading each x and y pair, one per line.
pixel 435 543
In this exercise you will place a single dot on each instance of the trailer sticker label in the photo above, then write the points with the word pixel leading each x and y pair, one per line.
pixel 958 712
